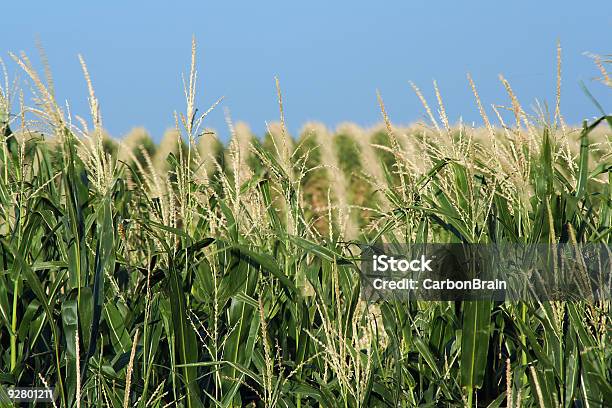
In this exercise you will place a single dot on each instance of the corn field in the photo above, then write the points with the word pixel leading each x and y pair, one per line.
pixel 198 273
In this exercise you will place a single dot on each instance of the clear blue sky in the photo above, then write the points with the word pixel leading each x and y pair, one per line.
pixel 330 56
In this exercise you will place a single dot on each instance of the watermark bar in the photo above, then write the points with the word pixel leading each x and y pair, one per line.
pixel 527 272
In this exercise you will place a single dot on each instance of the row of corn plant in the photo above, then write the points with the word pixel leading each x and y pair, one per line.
pixel 194 276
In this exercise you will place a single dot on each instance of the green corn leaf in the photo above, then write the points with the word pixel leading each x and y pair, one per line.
pixel 475 343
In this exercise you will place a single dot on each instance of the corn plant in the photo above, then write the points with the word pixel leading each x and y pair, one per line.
pixel 201 275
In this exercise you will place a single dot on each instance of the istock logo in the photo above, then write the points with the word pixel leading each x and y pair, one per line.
pixel 384 263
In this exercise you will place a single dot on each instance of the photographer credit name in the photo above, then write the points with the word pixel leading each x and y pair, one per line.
pixel 432 284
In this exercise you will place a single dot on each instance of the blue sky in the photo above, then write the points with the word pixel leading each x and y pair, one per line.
pixel 329 56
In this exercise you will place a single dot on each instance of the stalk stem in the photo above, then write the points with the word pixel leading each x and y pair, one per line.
pixel 14 326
